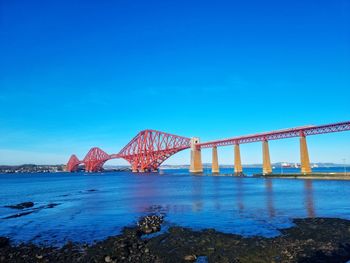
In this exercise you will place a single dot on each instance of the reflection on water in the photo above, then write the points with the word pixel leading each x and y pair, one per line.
pixel 239 192
pixel 197 204
pixel 216 193
pixel 269 197
pixel 308 192
pixel 309 199
pixel 95 206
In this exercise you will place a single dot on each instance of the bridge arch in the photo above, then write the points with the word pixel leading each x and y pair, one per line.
pixel 145 152
pixel 73 163
pixel 95 159
pixel 150 148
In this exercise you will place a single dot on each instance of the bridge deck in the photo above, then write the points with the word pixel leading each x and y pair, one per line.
pixel 281 134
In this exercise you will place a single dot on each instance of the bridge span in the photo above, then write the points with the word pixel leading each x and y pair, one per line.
pixel 150 148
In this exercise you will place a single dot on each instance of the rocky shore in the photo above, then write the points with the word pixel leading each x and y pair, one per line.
pixel 310 240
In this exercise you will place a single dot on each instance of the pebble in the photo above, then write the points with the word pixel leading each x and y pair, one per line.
pixel 147 230
pixel 108 259
pixel 190 258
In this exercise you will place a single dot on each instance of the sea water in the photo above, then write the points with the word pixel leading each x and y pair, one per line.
pixel 93 206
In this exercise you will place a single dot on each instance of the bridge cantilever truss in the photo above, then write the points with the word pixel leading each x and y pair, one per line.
pixel 145 152
pixel 73 163
pixel 150 148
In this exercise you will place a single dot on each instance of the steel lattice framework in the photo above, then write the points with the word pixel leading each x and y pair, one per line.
pixel 281 134
pixel 150 148
pixel 95 159
pixel 145 152
pixel 73 163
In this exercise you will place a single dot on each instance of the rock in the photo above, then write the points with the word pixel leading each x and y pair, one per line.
pixel 150 224
pixel 148 230
pixel 122 245
pixel 190 258
pixel 51 205
pixel 4 242
pixel 108 259
pixel 18 215
pixel 21 205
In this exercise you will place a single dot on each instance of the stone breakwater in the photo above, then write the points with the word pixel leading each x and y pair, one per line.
pixel 310 240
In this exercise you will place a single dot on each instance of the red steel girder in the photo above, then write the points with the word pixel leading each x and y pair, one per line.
pixel 150 148
pixel 73 163
pixel 281 134
pixel 145 152
pixel 95 159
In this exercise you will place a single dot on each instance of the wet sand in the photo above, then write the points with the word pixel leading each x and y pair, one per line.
pixel 310 240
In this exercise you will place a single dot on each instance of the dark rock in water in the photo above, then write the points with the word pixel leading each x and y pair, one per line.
pixel 51 205
pixel 33 210
pixel 4 241
pixel 18 215
pixel 21 205
pixel 150 224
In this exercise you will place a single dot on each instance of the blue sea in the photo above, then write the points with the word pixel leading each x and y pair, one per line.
pixel 84 207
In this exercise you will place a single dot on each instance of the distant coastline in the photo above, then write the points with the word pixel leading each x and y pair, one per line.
pixel 32 168
pixel 55 168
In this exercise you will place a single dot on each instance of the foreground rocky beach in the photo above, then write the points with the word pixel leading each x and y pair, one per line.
pixel 310 240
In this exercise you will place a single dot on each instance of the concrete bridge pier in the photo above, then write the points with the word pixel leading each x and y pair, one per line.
pixel 215 162
pixel 196 157
pixel 238 163
pixel 266 158
pixel 304 155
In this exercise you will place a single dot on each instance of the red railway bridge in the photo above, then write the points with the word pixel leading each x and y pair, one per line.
pixel 150 148
pixel 145 152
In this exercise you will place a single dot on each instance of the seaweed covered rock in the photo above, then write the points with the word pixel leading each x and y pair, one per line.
pixel 150 224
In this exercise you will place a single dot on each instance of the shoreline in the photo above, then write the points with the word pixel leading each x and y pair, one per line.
pixel 309 240
pixel 313 176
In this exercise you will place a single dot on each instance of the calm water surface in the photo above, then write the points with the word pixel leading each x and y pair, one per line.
pixel 94 206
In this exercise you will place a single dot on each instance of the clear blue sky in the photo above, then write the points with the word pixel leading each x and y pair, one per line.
pixel 76 74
